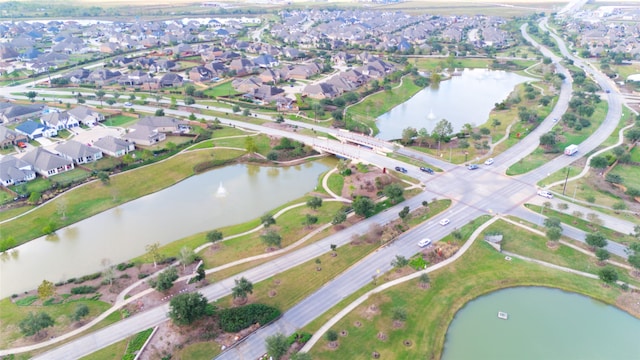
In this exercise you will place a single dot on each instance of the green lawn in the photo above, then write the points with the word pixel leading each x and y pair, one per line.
pixel 224 89
pixel 336 183
pixel 635 154
pixel 114 351
pixel 120 120
pixel 480 271
pixel 629 173
pixel 198 351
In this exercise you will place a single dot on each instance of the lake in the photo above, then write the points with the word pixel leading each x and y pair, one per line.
pixel 468 98
pixel 188 207
pixel 543 323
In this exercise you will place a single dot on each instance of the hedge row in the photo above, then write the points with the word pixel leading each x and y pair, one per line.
pixel 236 319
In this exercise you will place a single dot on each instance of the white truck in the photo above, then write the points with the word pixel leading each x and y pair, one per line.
pixel 571 149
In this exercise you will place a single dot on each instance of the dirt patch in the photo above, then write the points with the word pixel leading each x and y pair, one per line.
pixel 382 336
pixel 365 183
pixel 397 324
pixel 630 302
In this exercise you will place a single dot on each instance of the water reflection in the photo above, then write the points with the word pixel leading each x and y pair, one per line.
pixel 186 208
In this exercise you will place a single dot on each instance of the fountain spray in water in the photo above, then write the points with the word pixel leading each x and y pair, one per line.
pixel 222 192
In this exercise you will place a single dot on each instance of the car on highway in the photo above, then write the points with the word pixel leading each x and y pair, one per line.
pixel 401 169
pixel 472 166
pixel 424 242
pixel 427 170
pixel 489 161
pixel 128 104
pixel 444 222
pixel 545 194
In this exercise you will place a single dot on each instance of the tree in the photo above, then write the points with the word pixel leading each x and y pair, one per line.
pixel 279 118
pixel 633 134
pixel 363 206
pixel 596 240
pixel 554 233
pixel 551 222
pixel 271 238
pixel 394 192
pixel 399 262
pixel 598 162
pixel 339 217
pixel 33 323
pixel 189 90
pixel 154 252
pixel 277 345
pixel 82 310
pixel 186 308
pixel 548 139
pixel 110 102
pixel 165 279
pixel 442 130
pixel 608 275
pixel 246 112
pixel 186 256
pixel 103 176
pixel 314 203
pixel 331 335
pixel 189 100
pixel 250 145
pixel 613 178
pixel 214 235
pixel 408 134
pixel 159 112
pixel 424 278
pixel 602 254
pixel 399 314
pixel 31 95
pixel 267 220
pixel 309 220
pixel 404 213
pixel 46 289
pixel 242 289
pixel 235 108
pixel 100 95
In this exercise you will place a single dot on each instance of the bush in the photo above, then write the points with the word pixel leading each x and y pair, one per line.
pixel 235 319
pixel 142 275
pixel 83 289
pixel 124 266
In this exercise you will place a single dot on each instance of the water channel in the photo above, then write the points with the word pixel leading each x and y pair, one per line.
pixel 221 197
pixel 468 98
pixel 542 323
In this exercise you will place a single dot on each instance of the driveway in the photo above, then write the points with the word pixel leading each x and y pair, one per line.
pixel 88 136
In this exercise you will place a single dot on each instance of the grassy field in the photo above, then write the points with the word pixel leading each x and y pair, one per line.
pixel 114 351
pixel 480 271
pixel 224 89
pixel 198 351
pixel 96 197
pixel 336 183
pixel 120 120
pixel 629 173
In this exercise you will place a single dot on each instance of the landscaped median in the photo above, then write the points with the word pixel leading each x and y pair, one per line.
pixel 371 328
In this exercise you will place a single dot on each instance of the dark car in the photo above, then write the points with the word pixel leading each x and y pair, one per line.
pixel 427 170
pixel 401 169
pixel 472 167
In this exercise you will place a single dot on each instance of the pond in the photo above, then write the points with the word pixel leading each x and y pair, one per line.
pixel 218 198
pixel 468 98
pixel 542 323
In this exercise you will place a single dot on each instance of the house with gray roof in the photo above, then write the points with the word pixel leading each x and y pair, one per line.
pixel 59 120
pixel 14 113
pixel 113 146
pixel 85 115
pixel 164 124
pixel 15 171
pixel 47 163
pixel 78 152
pixel 144 135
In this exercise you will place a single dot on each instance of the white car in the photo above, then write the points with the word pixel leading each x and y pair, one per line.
pixel 128 104
pixel 424 242
pixel 444 222
pixel 489 161
pixel 545 194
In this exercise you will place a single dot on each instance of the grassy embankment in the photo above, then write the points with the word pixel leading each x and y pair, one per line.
pixel 480 271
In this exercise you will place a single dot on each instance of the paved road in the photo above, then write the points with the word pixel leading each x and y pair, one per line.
pixel 482 191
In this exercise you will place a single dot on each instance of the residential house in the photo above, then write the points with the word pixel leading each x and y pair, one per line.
pixel 242 67
pixel 34 130
pixel 274 75
pixel 266 61
pixel 162 65
pixel 342 58
pixel 144 135
pixel 320 91
pixel 305 71
pixel 201 74
pixel 78 76
pixel 218 69
pixel 134 78
pixel 170 80
pixel 78 152
pixel 14 171
pixel 113 146
pixel 86 116
pixel 15 112
pixel 165 124
pixel 247 84
pixel 285 104
pixel 47 163
pixel 265 93
pixel 59 120
pixel 10 137
pixel 103 76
